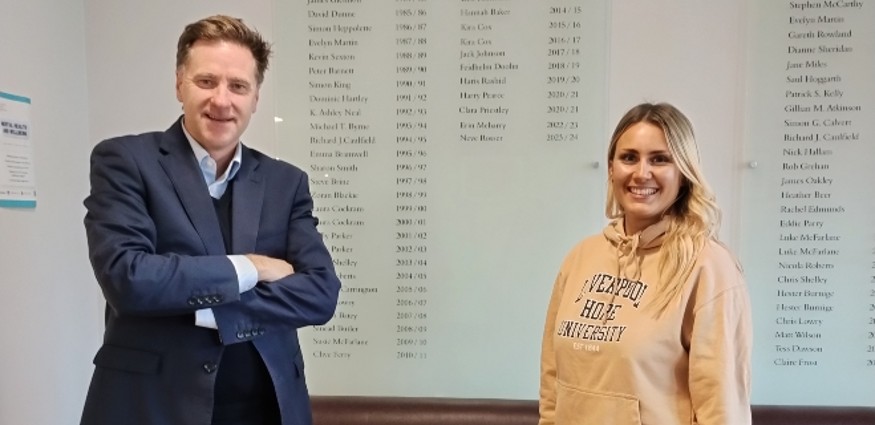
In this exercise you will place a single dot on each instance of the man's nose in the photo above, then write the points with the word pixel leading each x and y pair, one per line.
pixel 221 96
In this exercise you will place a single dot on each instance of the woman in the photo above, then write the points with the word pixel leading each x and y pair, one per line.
pixel 649 322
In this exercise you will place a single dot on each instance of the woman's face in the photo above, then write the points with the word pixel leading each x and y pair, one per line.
pixel 644 177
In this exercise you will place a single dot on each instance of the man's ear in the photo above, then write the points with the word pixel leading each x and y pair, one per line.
pixel 179 84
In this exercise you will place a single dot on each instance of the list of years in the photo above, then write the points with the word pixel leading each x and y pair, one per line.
pixel 410 218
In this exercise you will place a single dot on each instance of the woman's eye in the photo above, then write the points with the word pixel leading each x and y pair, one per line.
pixel 661 159
pixel 627 157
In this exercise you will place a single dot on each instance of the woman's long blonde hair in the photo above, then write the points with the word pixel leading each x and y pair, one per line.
pixel 694 217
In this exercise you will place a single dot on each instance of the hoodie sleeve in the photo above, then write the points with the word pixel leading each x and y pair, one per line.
pixel 720 341
pixel 547 398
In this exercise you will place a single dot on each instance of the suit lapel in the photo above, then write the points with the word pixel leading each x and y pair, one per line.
pixel 246 204
pixel 181 167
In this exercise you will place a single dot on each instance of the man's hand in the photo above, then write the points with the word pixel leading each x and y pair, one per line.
pixel 270 269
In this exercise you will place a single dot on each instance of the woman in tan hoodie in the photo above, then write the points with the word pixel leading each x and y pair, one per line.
pixel 649 321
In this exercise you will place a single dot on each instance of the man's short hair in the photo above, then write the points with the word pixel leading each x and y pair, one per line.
pixel 224 28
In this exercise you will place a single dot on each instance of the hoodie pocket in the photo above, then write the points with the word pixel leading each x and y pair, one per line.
pixel 575 406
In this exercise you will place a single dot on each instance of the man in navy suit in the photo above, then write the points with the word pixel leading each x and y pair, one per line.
pixel 208 256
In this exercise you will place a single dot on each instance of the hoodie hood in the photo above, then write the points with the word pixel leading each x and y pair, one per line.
pixel 650 237
pixel 628 248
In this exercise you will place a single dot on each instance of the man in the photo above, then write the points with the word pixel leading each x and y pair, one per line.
pixel 207 254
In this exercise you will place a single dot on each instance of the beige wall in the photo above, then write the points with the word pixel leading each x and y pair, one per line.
pixel 49 308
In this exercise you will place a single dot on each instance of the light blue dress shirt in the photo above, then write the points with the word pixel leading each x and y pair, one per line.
pixel 247 275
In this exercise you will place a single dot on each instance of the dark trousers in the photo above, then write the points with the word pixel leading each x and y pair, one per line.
pixel 244 393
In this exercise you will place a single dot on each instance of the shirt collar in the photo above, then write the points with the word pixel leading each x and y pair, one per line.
pixel 208 164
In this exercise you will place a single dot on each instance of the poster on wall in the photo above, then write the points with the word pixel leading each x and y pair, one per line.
pixel 17 177
pixel 451 150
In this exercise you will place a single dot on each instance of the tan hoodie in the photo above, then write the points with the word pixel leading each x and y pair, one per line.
pixel 607 360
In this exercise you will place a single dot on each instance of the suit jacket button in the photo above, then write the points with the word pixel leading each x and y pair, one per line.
pixel 240 335
pixel 210 367
pixel 192 301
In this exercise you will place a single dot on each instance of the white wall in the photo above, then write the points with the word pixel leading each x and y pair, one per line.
pixel 691 54
pixel 52 309
pixel 132 63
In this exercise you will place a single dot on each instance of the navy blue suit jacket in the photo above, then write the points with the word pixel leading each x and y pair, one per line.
pixel 157 251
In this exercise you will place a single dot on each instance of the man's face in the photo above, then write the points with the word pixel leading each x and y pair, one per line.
pixel 219 92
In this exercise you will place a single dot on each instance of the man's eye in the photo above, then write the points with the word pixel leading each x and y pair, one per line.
pixel 204 83
pixel 240 88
